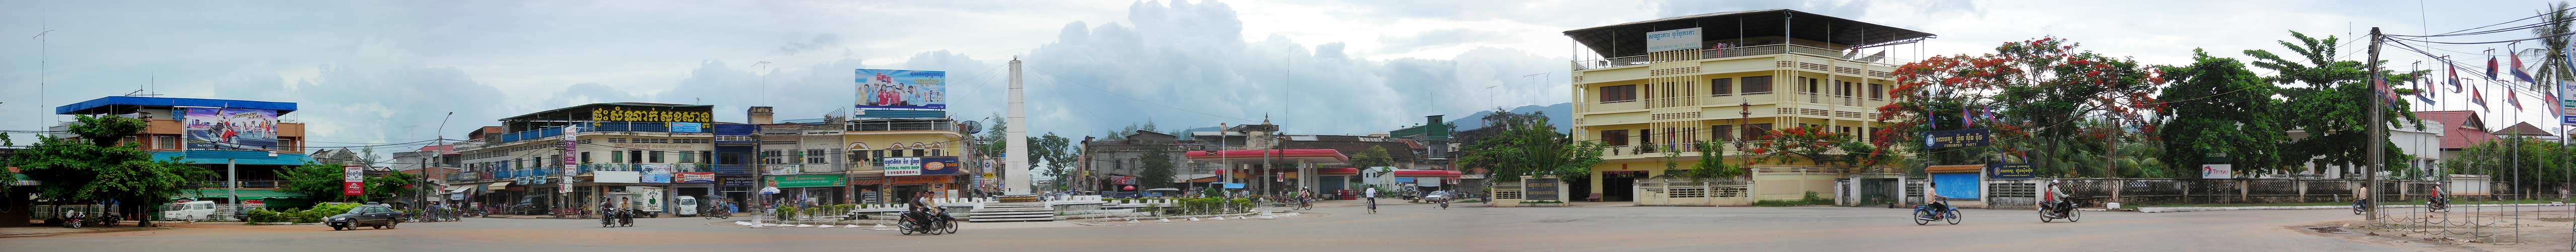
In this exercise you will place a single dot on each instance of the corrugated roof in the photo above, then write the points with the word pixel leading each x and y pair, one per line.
pixel 126 104
pixel 2524 129
pixel 2460 128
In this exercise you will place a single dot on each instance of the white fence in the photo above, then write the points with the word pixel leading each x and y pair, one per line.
pixel 1686 192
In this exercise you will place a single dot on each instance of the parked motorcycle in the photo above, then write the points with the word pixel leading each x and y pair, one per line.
pixel 2053 210
pixel 74 220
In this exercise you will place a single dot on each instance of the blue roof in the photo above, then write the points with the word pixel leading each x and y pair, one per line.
pixel 237 156
pixel 125 104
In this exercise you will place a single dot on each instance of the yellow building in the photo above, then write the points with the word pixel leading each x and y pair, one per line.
pixel 1666 83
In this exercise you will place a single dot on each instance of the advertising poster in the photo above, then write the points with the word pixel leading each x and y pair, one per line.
pixel 939 166
pixel 902 89
pixel 353 180
pixel 902 166
pixel 697 177
pixel 230 128
pixel 2217 171
pixel 656 173
pixel 2012 171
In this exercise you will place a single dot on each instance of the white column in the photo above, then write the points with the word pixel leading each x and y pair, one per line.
pixel 1015 169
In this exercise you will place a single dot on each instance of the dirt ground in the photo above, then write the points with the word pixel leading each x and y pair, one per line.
pixel 2491 229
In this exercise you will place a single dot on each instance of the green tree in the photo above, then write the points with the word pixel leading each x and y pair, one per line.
pixel 1533 148
pixel 1817 146
pixel 2219 108
pixel 2038 92
pixel 391 185
pixel 2554 38
pixel 7 177
pixel 1374 156
pixel 994 133
pixel 1711 164
pixel 97 168
pixel 2332 98
pixel 320 181
pixel 1158 170
pixel 1058 153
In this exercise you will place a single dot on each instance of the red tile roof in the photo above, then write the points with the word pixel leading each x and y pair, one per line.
pixel 2460 128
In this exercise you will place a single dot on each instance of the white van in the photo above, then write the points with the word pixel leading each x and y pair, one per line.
pixel 688 205
pixel 192 210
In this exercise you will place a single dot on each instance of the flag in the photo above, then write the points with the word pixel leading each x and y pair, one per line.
pixel 2478 99
pixel 1966 118
pixel 2512 98
pixel 2455 76
pixel 2491 66
pixel 2518 74
pixel 2425 95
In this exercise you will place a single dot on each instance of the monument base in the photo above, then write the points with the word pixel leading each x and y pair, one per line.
pixel 1019 198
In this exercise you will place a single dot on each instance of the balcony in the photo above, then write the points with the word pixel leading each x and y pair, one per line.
pixel 902 126
pixel 1741 51
pixel 1615 106
pixel 248 184
pixel 592 127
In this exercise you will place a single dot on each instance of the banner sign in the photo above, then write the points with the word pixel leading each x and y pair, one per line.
pixel 1956 138
pixel 902 166
pixel 230 128
pixel 353 180
pixel 737 182
pixel 940 166
pixel 783 169
pixel 570 159
pixel 625 113
pixel 2567 101
pixel 2217 171
pixel 656 173
pixel 697 177
pixel 902 89
pixel 819 180
pixel 1668 40
pixel 2011 171
pixel 688 127
pixel 1540 189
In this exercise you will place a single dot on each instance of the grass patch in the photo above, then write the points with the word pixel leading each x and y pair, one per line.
pixel 2342 203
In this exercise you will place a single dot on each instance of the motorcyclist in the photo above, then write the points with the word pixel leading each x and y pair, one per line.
pixel 921 208
pixel 2055 197
pixel 1932 196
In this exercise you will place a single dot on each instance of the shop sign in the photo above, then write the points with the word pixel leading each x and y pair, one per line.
pixel 353 180
pixel 652 114
pixel 921 179
pixel 1956 138
pixel 698 177
pixel 902 166
pixel 1540 189
pixel 2012 171
pixel 940 166
pixel 819 180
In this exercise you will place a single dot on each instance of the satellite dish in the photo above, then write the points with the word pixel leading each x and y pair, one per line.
pixel 971 127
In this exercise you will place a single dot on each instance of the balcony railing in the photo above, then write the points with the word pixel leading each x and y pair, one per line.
pixel 248 184
pixel 902 126
pixel 1741 51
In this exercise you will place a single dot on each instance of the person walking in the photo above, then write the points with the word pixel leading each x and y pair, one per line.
pixel 1371 194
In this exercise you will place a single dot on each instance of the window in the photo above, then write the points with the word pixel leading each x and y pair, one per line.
pixel 688 158
pixel 1721 86
pixel 1722 132
pixel 1845 130
pixel 1757 84
pixel 1811 85
pixel 637 156
pixel 920 153
pixel 1619 93
pixel 935 153
pixel 769 157
pixel 1844 88
pixel 518 163
pixel 729 159
pixel 707 156
pixel 1757 131
pixel 585 157
pixel 855 155
pixel 166 142
pixel 1615 137
pixel 1645 137
pixel 657 156
pixel 815 156
pixel 617 157
pixel 1877 91
pixel 552 158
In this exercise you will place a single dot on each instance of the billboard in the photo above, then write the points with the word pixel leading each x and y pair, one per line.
pixel 940 166
pixel 2011 171
pixel 697 177
pixel 656 173
pixel 902 166
pixel 230 128
pixel 902 89
pixel 1955 138
pixel 1668 40
pixel 2217 171
pixel 353 180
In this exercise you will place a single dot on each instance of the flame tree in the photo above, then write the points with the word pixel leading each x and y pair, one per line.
pixel 2038 91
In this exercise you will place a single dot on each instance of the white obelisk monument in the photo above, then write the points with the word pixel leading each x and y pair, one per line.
pixel 1015 157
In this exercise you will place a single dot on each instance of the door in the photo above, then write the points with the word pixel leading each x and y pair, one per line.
pixel 1618 189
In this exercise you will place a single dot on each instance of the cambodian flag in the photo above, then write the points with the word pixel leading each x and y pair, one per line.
pixel 2455 77
pixel 2518 74
pixel 2475 98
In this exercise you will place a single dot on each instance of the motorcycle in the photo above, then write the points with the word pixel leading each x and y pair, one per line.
pixel 2053 210
pixel 626 217
pixel 73 220
pixel 2360 206
pixel 2438 203
pixel 608 221
pixel 1924 214
pixel 927 223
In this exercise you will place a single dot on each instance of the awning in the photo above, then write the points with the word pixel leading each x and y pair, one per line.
pixel 1337 171
pixel 1291 155
pixel 460 189
pixel 246 194
pixel 1426 173
pixel 497 185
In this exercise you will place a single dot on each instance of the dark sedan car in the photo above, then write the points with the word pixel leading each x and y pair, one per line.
pixel 378 216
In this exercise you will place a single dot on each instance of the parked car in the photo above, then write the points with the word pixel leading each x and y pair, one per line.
pixel 686 206
pixel 1436 197
pixel 377 216
pixel 192 210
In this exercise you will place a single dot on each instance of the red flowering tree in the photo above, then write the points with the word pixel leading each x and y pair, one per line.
pixel 2035 90
pixel 1824 148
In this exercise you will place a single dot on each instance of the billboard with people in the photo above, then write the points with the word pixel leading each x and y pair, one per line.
pixel 902 89
pixel 230 128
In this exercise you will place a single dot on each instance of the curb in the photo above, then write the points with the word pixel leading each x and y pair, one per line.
pixel 2204 209
pixel 88 232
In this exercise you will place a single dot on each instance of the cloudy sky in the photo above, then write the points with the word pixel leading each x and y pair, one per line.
pixel 375 72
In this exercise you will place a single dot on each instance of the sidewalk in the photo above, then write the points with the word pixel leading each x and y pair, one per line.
pixel 9 232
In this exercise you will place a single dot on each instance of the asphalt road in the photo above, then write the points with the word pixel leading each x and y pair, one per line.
pixel 1398 227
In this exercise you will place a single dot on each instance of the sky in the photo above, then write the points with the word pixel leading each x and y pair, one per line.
pixel 388 71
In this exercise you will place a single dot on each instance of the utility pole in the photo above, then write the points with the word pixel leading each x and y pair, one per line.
pixel 2378 126
pixel 42 49
pixel 435 154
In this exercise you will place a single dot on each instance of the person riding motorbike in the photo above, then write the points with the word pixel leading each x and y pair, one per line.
pixel 1932 196
pixel 2056 198
pixel 920 214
